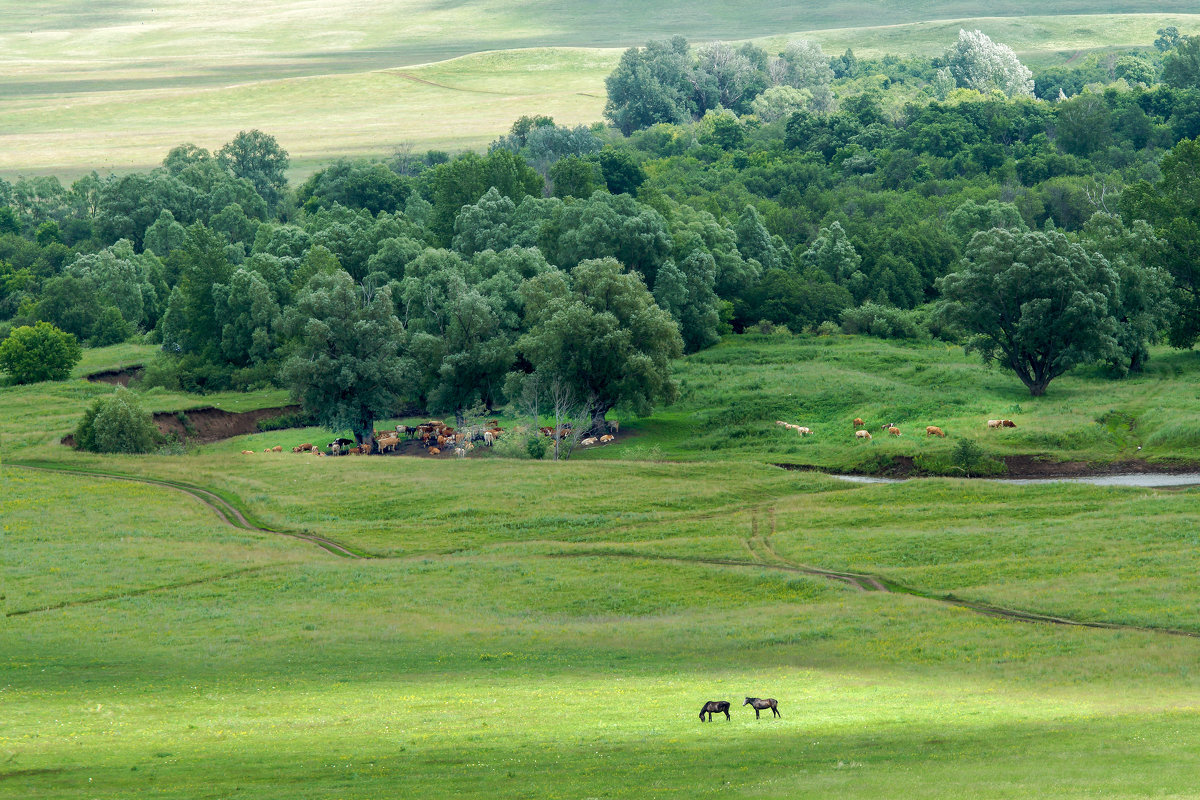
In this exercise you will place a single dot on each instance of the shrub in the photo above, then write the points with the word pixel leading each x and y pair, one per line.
pixel 110 328
pixel 117 423
pixel 828 328
pixel 39 352
pixel 299 419
pixel 882 321
pixel 535 446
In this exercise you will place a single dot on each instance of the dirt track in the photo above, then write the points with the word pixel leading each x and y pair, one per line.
pixel 226 512
pixel 757 547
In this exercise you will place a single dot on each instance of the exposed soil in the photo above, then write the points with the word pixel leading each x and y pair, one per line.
pixel 1027 466
pixel 118 377
pixel 212 424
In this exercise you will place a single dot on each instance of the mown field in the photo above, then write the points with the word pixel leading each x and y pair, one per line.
pixel 113 87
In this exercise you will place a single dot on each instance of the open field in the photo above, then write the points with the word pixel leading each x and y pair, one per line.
pixel 535 629
pixel 194 659
pixel 113 90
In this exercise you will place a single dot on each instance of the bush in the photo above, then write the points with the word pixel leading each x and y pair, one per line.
pixel 39 353
pixel 882 321
pixel 300 419
pixel 117 423
pixel 191 373
pixel 535 446
pixel 110 328
pixel 828 328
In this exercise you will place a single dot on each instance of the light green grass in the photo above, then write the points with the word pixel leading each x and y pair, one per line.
pixel 495 670
pixel 113 90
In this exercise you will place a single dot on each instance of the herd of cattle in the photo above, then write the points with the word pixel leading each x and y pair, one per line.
pixel 436 438
pixel 861 432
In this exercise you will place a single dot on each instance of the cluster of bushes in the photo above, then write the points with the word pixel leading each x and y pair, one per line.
pixel 117 423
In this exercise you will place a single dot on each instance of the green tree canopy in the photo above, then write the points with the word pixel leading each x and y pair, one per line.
pixel 1035 302
pixel 1172 206
pixel 604 337
pixel 350 365
pixel 257 157
pixel 40 352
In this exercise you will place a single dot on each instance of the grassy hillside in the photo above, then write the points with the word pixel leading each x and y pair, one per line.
pixel 115 88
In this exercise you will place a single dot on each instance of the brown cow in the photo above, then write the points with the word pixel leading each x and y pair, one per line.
pixel 608 437
pixel 893 430
pixel 858 423
pixel 934 430
pixel 247 452
pixel 433 451
pixel 277 448
pixel 1007 423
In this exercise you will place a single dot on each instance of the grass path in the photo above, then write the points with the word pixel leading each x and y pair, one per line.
pixel 227 512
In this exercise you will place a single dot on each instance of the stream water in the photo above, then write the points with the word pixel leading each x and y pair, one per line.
pixel 1133 479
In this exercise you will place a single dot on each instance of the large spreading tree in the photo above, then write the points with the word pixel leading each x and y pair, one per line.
pixel 602 334
pixel 1037 303
pixel 349 367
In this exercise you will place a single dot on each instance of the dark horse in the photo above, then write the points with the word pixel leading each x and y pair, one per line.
pixel 714 706
pixel 761 704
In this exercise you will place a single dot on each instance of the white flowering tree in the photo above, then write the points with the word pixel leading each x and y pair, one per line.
pixel 976 62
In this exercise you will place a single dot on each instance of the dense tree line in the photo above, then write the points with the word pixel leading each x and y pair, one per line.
pixel 735 187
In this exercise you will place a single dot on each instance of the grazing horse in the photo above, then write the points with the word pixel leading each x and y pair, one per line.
pixel 715 706
pixel 761 704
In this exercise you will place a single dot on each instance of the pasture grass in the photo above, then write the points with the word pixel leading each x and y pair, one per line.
pixel 494 669
pixel 112 90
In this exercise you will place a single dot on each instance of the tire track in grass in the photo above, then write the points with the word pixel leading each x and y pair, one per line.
pixel 874 583
pixel 237 573
pixel 224 510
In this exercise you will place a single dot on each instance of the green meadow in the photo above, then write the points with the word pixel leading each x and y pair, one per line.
pixel 113 87
pixel 532 629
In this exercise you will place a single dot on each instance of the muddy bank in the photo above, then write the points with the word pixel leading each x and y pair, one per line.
pixel 210 424
pixel 1025 466
pixel 117 377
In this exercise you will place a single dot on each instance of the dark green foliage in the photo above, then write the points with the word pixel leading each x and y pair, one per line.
pixel 348 368
pixel 40 352
pixel 575 177
pixel 117 423
pixel 258 158
pixel 355 184
pixel 1034 302
pixel 468 177
pixel 298 419
pixel 605 338
pixel 1181 66
pixel 1172 207
pixel 110 328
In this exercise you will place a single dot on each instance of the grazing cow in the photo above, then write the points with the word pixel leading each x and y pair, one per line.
pixel 247 452
pixel 277 448
pixel 546 431
pixel 608 437
pixel 388 444
pixel 995 423
pixel 862 434
pixel 715 707
pixel 267 450
pixel 803 431
pixel 304 448
pixel 1007 423
pixel 934 430
pixel 762 704
pixel 781 422
pixel 589 441
pixel 893 430
pixel 433 451
pixel 858 423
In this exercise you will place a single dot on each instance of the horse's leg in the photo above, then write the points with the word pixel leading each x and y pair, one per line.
pixel 776 710
pixel 727 714
pixel 756 713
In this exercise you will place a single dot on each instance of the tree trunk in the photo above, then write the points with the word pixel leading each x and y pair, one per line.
pixel 598 427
